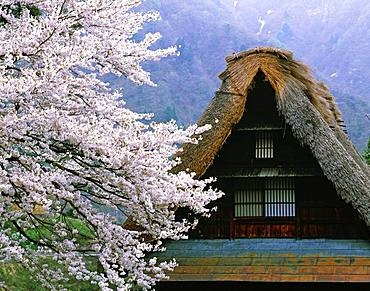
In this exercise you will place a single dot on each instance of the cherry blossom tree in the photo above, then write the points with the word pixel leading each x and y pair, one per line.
pixel 71 148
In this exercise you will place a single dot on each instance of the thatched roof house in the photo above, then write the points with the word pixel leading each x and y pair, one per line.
pixel 297 193
pixel 307 107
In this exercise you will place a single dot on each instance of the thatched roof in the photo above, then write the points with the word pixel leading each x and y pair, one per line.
pixel 307 107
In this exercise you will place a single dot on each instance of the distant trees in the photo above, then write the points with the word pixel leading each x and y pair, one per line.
pixel 367 153
pixel 69 147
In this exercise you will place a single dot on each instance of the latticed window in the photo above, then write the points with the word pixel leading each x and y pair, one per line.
pixel 279 197
pixel 264 145
pixel 271 197
pixel 249 202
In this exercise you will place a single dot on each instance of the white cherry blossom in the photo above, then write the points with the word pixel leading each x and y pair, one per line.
pixel 69 146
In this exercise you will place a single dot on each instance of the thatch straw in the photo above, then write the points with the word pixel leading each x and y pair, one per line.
pixel 307 106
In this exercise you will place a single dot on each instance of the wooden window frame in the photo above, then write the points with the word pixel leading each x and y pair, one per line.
pixel 264 217
pixel 264 145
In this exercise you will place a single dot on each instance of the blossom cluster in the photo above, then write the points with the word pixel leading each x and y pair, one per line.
pixel 69 146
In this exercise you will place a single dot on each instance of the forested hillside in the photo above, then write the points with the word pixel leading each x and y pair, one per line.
pixel 332 37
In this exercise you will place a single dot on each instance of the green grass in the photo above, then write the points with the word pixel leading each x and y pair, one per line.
pixel 18 278
pixel 83 237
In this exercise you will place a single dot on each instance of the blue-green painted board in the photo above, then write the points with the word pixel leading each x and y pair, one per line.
pixel 246 247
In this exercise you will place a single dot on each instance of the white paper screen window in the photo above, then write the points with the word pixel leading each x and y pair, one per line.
pixel 264 145
pixel 248 203
pixel 271 197
pixel 279 197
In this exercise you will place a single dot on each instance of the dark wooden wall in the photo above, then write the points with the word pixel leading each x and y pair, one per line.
pixel 320 213
pixel 239 151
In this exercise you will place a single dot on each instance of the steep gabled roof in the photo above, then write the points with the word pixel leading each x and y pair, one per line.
pixel 307 107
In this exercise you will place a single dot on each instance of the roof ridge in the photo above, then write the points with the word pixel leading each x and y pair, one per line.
pixel 281 53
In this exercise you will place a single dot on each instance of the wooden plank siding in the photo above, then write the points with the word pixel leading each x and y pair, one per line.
pixel 259 286
pixel 277 260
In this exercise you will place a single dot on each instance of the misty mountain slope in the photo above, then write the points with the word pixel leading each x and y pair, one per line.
pixel 332 37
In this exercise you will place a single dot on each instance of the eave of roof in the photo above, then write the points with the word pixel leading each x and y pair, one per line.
pixel 265 172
